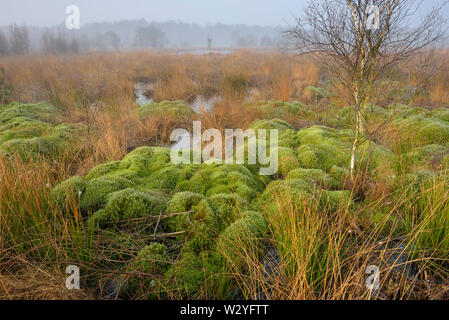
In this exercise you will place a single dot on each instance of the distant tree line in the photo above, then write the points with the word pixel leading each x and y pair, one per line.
pixel 15 41
pixel 18 40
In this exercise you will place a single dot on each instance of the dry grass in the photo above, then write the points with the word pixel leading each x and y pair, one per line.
pixel 39 283
pixel 326 255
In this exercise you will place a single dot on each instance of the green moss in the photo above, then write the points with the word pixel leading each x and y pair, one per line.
pixel 130 204
pixel 316 93
pixel 146 160
pixel 405 111
pixel 425 130
pixel 322 156
pixel 271 124
pixel 103 169
pixel 153 259
pixel 172 108
pixel 276 109
pixel 337 200
pixel 34 148
pixel 314 176
pixel 199 183
pixel 26 130
pixel 319 135
pixel 286 133
pixel 323 148
pixel 374 156
pixel 70 189
pixel 243 240
pixel 99 219
pixel 219 211
pixel 441 113
pixel 182 202
pixel 97 191
pixel 287 161
pixel 199 276
pixel 40 111
pixel 428 155
pixel 279 190
pixel 170 177
pixel 339 175
pixel 213 179
pixel 301 191
pixel 345 118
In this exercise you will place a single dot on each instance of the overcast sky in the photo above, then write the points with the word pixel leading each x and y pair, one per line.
pixel 260 12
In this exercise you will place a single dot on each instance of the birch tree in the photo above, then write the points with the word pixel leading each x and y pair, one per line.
pixel 359 41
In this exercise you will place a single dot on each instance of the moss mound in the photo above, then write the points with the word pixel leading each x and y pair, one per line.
pixel 287 161
pixel 424 130
pixel 276 109
pixel 182 202
pixel 312 92
pixel 178 109
pixel 130 204
pixel 213 179
pixel 153 259
pixel 314 176
pixel 28 131
pixel 243 239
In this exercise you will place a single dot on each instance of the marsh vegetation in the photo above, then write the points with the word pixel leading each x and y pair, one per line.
pixel 86 180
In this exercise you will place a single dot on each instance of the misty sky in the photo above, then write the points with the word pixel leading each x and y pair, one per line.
pixel 260 12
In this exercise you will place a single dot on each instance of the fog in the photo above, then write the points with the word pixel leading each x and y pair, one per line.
pixel 249 12
pixel 130 24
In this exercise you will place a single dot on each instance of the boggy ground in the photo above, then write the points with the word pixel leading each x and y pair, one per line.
pixel 87 180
